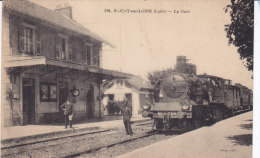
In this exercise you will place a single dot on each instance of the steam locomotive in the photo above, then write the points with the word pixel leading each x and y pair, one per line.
pixel 189 100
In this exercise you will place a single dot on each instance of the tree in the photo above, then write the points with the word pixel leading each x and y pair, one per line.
pixel 155 79
pixel 241 30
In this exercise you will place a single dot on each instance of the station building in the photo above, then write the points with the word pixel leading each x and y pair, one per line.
pixel 135 89
pixel 47 57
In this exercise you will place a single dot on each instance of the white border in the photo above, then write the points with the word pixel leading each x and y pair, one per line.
pixel 0 68
pixel 256 117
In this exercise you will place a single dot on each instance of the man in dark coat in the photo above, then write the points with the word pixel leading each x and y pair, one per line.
pixel 68 110
pixel 127 114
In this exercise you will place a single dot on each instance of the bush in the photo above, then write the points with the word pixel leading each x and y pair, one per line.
pixel 115 107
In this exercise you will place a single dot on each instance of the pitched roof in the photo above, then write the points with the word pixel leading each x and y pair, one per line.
pixel 55 18
pixel 139 82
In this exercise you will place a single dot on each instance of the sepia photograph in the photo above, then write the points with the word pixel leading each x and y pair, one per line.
pixel 122 78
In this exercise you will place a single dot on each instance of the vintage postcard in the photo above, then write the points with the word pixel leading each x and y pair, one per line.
pixel 121 78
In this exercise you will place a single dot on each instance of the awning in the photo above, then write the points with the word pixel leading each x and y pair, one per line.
pixel 19 61
pixel 22 61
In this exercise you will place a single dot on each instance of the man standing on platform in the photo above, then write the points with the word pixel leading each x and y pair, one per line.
pixel 127 114
pixel 68 109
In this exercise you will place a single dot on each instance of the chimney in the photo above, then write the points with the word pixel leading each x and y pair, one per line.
pixel 67 11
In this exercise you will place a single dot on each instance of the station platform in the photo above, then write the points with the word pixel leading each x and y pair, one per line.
pixel 226 139
pixel 17 133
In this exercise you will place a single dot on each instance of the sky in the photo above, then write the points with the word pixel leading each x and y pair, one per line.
pixel 145 42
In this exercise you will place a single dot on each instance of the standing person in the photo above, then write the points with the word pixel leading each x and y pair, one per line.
pixel 68 109
pixel 127 114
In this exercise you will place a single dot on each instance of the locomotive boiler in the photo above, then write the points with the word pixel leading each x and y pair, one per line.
pixel 189 100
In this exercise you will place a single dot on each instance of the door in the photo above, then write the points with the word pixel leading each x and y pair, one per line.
pixel 63 93
pixel 28 101
pixel 90 102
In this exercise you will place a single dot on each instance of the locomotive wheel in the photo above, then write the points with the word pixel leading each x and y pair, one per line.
pixel 233 113
pixel 218 114
pixel 197 123
pixel 184 125
pixel 158 124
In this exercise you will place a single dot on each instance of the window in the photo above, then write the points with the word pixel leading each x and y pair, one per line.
pixel 111 97
pixel 61 47
pixel 48 92
pixel 29 40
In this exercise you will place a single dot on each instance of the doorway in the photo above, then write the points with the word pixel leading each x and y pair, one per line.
pixel 63 93
pixel 28 101
pixel 90 102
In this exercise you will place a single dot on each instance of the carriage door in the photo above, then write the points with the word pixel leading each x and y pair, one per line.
pixel 28 101
pixel 90 102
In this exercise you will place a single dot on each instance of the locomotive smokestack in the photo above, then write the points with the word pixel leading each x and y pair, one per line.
pixel 181 63
pixel 183 66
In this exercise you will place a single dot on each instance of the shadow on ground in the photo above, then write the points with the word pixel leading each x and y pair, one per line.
pixel 243 139
pixel 247 126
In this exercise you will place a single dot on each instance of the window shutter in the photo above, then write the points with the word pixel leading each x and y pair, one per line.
pixel 88 49
pixel 37 42
pixel 21 39
pixel 84 55
pixel 70 53
pixel 69 46
pixel 98 57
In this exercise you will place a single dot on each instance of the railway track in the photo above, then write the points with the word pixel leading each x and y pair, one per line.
pixel 48 140
pixel 109 145
pixel 15 149
pixel 52 139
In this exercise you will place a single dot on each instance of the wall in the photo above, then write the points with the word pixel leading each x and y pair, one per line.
pixel 83 84
pixel 5 78
pixel 48 37
pixel 48 41
pixel 48 112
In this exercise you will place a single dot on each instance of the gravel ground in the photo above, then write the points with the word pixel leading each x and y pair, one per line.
pixel 70 146
pixel 128 147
